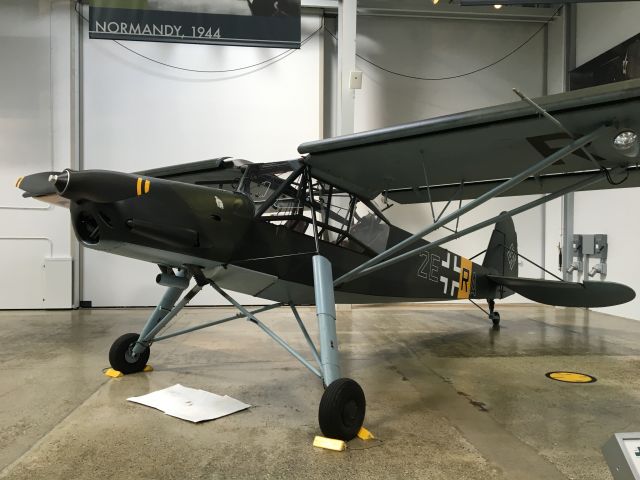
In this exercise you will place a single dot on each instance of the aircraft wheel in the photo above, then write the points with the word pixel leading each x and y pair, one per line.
pixel 122 359
pixel 342 409
pixel 495 318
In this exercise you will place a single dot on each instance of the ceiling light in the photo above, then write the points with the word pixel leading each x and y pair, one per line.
pixel 497 6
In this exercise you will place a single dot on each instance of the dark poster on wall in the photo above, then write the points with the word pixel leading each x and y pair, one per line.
pixel 256 23
pixel 622 62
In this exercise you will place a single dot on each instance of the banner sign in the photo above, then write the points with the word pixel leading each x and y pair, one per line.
pixel 619 63
pixel 256 23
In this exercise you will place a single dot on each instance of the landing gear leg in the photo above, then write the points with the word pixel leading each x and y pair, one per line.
pixel 494 316
pixel 130 352
pixel 342 407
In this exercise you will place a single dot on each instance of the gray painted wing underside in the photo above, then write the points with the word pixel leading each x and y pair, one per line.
pixel 479 147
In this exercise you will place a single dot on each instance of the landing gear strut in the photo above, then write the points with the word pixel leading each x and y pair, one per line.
pixel 130 352
pixel 342 407
pixel 494 316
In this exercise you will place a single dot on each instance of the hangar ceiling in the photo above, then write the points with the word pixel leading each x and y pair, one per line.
pixel 444 9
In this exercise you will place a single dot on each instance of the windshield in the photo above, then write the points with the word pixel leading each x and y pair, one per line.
pixel 261 180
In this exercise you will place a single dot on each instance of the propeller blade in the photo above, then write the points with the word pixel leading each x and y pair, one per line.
pixel 37 185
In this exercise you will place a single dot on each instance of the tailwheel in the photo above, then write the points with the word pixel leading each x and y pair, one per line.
pixel 122 358
pixel 342 409
pixel 493 315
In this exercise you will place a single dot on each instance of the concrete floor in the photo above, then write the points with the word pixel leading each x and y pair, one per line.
pixel 448 397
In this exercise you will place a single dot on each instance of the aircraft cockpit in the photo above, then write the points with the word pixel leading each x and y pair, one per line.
pixel 286 195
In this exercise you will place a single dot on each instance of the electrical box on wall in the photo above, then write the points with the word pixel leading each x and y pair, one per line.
pixel 58 282
pixel 355 80
pixel 586 247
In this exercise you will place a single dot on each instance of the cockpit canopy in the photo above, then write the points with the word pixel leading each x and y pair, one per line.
pixel 286 195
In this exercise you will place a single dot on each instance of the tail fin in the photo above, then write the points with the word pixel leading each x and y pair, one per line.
pixel 501 257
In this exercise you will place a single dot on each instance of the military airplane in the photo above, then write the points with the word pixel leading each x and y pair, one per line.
pixel 313 230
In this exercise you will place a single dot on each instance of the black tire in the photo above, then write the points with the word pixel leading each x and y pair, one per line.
pixel 495 318
pixel 120 356
pixel 342 409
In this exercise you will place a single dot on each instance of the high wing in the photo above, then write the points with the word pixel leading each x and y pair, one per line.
pixel 464 155
pixel 223 172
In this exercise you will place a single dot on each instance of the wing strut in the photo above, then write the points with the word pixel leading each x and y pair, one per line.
pixel 596 177
pixel 342 406
pixel 503 187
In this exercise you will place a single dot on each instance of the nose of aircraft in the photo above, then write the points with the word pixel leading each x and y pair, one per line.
pixel 101 186
pixel 59 181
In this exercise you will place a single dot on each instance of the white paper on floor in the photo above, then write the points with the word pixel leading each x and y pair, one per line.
pixel 190 404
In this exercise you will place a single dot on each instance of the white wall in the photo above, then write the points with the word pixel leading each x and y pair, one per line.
pixel 35 135
pixel 556 55
pixel 436 48
pixel 439 48
pixel 599 27
pixel 140 115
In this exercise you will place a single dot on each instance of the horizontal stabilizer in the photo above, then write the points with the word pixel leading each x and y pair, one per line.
pixel 568 294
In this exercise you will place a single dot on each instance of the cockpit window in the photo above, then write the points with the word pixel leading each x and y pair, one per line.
pixel 289 200
pixel 369 228
pixel 260 180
